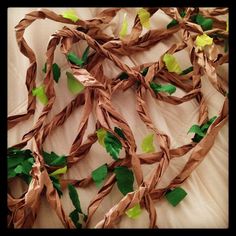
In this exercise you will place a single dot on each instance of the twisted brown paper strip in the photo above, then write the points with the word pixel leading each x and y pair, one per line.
pixel 97 97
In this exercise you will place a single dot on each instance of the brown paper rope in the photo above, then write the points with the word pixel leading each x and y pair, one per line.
pixel 106 113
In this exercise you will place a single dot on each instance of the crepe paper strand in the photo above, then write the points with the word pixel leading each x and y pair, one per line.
pixel 106 114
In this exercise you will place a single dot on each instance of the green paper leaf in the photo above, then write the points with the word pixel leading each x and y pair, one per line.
pixel 101 133
pixel 53 159
pixel 71 15
pixel 196 129
pixel 144 17
pixel 173 23
pixel 19 163
pixel 186 71
pixel 40 94
pixel 175 196
pixel 134 212
pixel 56 184
pixel 73 84
pixel 171 63
pixel 123 76
pixel 74 197
pixel 74 215
pixel 205 23
pixel 124 27
pixel 120 132
pixel 203 40
pixel 112 145
pixel 125 179
pixel 168 88
pixel 147 144
pixel 74 59
pixel 56 71
pixel 182 14
pixel 85 55
pixel 59 171
pixel 144 71
pixel 204 127
pixel 99 175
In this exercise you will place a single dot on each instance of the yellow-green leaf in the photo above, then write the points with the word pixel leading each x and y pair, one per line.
pixel 144 17
pixel 59 171
pixel 203 40
pixel 227 25
pixel 101 133
pixel 40 94
pixel 73 84
pixel 124 27
pixel 71 15
pixel 147 144
pixel 171 64
pixel 134 212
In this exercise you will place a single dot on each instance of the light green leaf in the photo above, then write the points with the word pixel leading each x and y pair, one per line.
pixel 40 94
pixel 99 175
pixel 171 63
pixel 196 129
pixel 125 179
pixel 168 88
pixel 124 27
pixel 112 145
pixel 53 159
pixel 134 212
pixel 74 59
pixel 74 197
pixel 175 196
pixel 203 40
pixel 147 144
pixel 59 171
pixel 101 133
pixel 71 15
pixel 144 17
pixel 73 84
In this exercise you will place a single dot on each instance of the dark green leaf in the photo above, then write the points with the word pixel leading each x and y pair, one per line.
pixel 11 173
pixel 182 14
pixel 174 22
pixel 112 145
pixel 19 169
pixel 74 59
pixel 175 196
pixel 205 127
pixel 53 159
pixel 125 179
pixel 99 175
pixel 85 55
pixel 13 162
pixel 56 72
pixel 169 88
pixel 56 185
pixel 74 197
pixel 120 132
pixel 186 71
pixel 74 215
pixel 144 71
pixel 123 76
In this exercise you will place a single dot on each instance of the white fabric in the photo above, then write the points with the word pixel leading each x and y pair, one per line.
pixel 206 205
